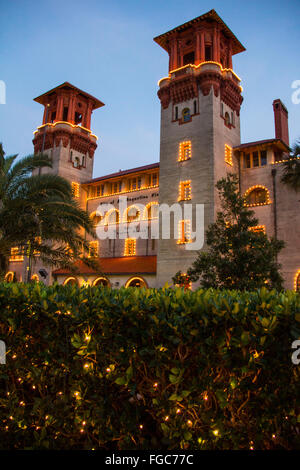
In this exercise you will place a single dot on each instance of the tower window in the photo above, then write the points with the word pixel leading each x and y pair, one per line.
pixel 83 160
pixel 189 58
pixel 184 229
pixel 76 162
pixel 65 113
pixel 227 119
pixel 185 151
pixel 208 53
pixel 78 118
pixel 255 159
pixel 195 107
pixel 53 116
pixel 228 155
pixel 185 191
pixel 186 115
pixel 176 113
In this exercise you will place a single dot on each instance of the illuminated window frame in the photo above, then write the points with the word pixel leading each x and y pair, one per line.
pixel 258 229
pixel 148 209
pixel 184 232
pixel 297 281
pixel 185 191
pixel 257 186
pixel 75 189
pixel 228 155
pixel 125 216
pixel 15 254
pixel 108 214
pixel 137 278
pixel 93 249
pixel 130 247
pixel 9 274
pixel 185 151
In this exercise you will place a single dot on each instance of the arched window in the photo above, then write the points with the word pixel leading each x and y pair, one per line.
pixel 227 119
pixel 101 282
pixel 112 216
pixel 132 213
pixel 136 282
pixel 35 278
pixel 186 115
pixel 151 211
pixel 257 196
pixel 71 281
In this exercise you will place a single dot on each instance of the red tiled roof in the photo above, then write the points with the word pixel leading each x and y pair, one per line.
pixel 124 172
pixel 124 265
pixel 43 99
pixel 277 142
pixel 210 15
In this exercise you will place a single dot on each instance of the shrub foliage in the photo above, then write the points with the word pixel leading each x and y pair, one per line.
pixel 128 369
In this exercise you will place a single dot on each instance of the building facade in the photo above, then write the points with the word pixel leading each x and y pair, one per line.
pixel 199 143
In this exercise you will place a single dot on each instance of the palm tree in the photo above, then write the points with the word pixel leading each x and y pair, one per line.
pixel 291 172
pixel 39 215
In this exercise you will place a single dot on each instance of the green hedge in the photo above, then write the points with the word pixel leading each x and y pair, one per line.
pixel 162 369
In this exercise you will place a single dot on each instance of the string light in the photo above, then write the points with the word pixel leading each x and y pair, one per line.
pixel 253 188
pixel 185 191
pixel 185 151
pixel 130 247
pixel 184 230
pixel 50 124
pixel 228 155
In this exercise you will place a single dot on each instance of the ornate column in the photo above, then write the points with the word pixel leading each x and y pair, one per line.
pixel 59 108
pixel 198 48
pixel 71 110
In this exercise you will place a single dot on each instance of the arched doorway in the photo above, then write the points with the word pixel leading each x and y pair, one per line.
pixel 101 282
pixel 136 282
pixel 9 277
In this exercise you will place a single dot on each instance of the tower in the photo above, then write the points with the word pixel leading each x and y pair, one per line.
pixel 200 125
pixel 65 134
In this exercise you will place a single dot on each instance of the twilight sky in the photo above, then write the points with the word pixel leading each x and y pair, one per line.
pixel 106 48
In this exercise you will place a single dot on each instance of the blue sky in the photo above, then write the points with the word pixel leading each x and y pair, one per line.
pixel 107 49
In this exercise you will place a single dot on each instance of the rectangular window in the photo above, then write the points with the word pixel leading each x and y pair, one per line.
pixel 185 191
pixel 208 53
pixel 247 160
pixel 263 157
pixel 15 254
pixel 228 155
pixel 184 232
pixel 93 249
pixel 176 113
pixel 153 244
pixel 130 247
pixel 258 229
pixel 75 189
pixel 185 151
pixel 255 159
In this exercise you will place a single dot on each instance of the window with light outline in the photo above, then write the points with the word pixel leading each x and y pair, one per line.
pixel 184 232
pixel 93 249
pixel 297 281
pixel 130 247
pixel 257 195
pixel 185 151
pixel 228 155
pixel 15 254
pixel 185 191
pixel 75 189
pixel 258 229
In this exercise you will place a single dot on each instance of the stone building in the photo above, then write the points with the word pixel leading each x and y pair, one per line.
pixel 199 143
